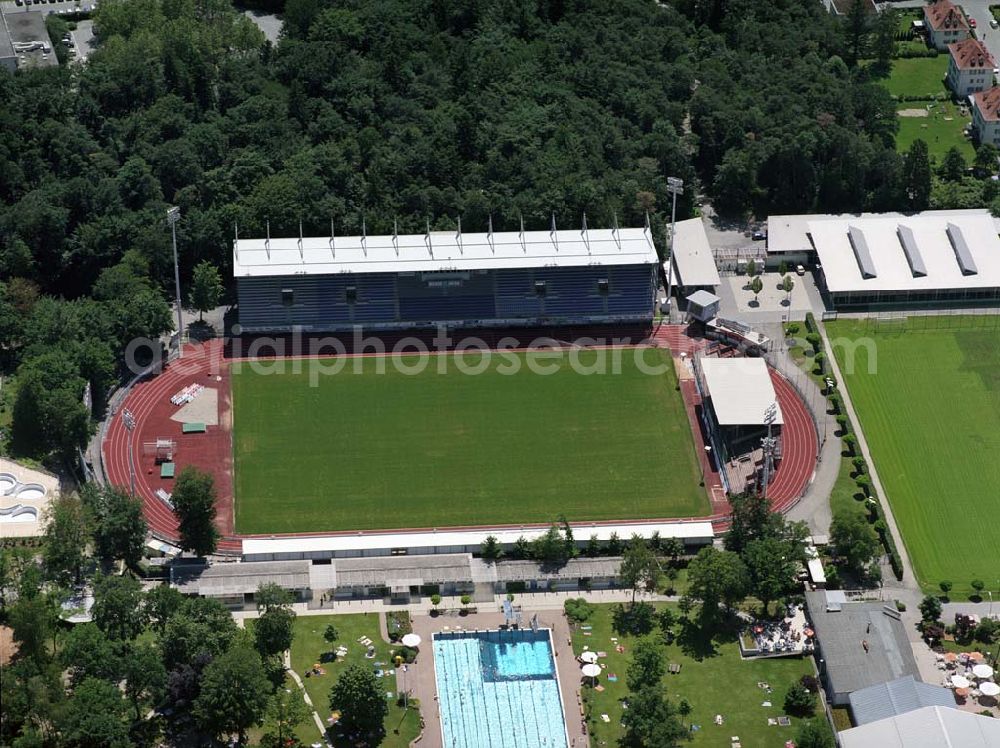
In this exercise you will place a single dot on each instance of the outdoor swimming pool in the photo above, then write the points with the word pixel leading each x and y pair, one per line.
pixel 498 689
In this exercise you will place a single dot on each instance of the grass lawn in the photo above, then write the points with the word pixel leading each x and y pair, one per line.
pixel 918 76
pixel 941 130
pixel 368 450
pixel 713 678
pixel 931 415
pixel 309 645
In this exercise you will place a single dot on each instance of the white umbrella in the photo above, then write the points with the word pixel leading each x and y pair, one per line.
pixel 411 640
pixel 590 656
pixel 989 689
pixel 960 681
pixel 590 670
pixel 982 671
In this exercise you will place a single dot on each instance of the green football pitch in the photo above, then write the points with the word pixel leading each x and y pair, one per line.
pixel 930 410
pixel 373 450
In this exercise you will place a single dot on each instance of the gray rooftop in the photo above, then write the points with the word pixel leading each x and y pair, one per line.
pixel 403 571
pixel 24 28
pixel 577 568
pixel 226 579
pixel 842 628
pixel 896 697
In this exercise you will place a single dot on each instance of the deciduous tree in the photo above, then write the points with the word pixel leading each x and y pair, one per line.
pixel 194 506
pixel 234 694
pixel 358 696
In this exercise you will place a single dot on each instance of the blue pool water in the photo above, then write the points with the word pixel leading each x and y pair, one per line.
pixel 498 689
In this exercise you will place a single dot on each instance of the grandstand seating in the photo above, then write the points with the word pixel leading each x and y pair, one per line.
pixel 540 295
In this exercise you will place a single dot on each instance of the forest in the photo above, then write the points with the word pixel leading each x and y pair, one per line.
pixel 383 111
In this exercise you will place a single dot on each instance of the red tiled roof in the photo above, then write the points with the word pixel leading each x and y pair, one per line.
pixel 988 103
pixel 971 53
pixel 944 14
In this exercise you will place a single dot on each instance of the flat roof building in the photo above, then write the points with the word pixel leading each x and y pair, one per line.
pixel 693 263
pixel 929 727
pixel 741 390
pixel 24 41
pixel 860 644
pixel 934 257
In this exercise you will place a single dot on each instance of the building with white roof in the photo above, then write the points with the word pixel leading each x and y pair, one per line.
pixel 740 390
pixel 879 259
pixel 929 727
pixel 469 540
pixel 693 263
pixel 461 279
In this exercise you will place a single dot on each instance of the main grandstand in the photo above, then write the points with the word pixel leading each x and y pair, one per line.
pixel 492 279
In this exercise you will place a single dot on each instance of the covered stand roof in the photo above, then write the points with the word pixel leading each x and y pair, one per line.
pixel 228 579
pixel 741 390
pixel 693 258
pixel 441 251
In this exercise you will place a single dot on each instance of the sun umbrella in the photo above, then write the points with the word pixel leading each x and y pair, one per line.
pixel 960 681
pixel 982 671
pixel 950 656
pixel 589 656
pixel 590 670
pixel 411 640
pixel 976 656
pixel 963 692
pixel 989 689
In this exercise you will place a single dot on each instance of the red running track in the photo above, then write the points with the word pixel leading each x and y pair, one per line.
pixel 149 402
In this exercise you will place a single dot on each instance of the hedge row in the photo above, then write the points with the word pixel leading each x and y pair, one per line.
pixel 863 480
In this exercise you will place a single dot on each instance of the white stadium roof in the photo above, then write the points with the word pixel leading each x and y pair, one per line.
pixel 441 250
pixel 371 543
pixel 693 258
pixel 741 390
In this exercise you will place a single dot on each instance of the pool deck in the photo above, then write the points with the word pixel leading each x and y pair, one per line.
pixel 420 681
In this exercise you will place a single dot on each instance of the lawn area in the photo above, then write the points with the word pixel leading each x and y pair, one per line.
pixel 942 129
pixel 931 414
pixel 368 450
pixel 308 648
pixel 713 678
pixel 918 76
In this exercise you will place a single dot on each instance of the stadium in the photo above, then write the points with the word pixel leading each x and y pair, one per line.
pixel 580 403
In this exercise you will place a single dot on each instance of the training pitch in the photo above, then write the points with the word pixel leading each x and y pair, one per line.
pixel 369 450
pixel 931 415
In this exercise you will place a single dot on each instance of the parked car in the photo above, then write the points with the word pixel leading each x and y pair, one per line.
pixel 800 270
pixel 759 236
pixel 994 23
pixel 972 22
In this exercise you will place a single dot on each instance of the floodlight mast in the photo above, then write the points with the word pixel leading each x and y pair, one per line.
pixel 129 422
pixel 769 443
pixel 675 186
pixel 173 216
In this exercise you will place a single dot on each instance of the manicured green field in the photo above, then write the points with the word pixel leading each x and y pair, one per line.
pixel 308 648
pixel 930 411
pixel 714 679
pixel 918 76
pixel 368 450
pixel 942 129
